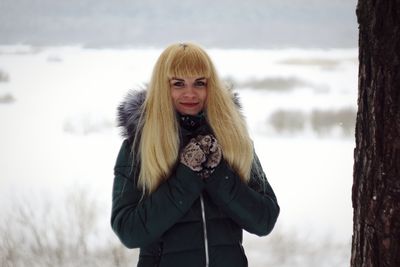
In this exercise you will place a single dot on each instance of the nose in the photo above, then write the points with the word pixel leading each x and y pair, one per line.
pixel 190 92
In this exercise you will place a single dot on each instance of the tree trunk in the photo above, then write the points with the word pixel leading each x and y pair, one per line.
pixel 376 186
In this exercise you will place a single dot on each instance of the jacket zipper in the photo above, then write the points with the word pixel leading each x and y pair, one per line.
pixel 203 216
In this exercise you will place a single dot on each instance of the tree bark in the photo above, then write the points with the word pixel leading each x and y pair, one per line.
pixel 376 185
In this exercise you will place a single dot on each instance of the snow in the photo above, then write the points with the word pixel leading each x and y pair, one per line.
pixel 60 132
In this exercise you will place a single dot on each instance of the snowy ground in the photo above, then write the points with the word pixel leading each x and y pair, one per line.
pixel 59 132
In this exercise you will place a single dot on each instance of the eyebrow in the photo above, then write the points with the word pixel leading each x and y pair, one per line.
pixel 178 79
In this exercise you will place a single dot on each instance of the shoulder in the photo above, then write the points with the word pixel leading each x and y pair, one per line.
pixel 124 158
pixel 258 178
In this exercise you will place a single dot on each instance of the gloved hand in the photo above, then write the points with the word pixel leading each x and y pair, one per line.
pixel 202 154
pixel 193 156
pixel 213 153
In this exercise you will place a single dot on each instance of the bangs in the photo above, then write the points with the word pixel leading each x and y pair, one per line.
pixel 189 61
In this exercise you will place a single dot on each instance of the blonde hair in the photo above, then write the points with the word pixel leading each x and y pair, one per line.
pixel 158 142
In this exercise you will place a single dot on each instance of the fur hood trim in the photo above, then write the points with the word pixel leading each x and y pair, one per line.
pixel 129 112
pixel 131 108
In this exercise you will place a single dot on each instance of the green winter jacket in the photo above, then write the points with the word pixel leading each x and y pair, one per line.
pixel 189 221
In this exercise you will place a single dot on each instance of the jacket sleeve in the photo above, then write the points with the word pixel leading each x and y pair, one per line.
pixel 140 220
pixel 252 206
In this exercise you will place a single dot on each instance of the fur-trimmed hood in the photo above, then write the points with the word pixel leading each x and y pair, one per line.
pixel 129 112
pixel 131 108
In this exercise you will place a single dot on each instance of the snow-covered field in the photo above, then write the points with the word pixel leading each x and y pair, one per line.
pixel 58 129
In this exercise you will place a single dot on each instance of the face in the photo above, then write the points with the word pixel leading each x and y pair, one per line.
pixel 189 94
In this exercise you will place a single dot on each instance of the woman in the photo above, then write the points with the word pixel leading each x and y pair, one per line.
pixel 187 180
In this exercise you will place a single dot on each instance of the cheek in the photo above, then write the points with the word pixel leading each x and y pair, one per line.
pixel 174 96
pixel 203 96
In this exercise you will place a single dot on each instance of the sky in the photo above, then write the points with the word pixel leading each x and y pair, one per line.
pixel 260 24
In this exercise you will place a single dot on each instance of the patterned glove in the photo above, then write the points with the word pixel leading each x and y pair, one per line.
pixel 213 153
pixel 193 156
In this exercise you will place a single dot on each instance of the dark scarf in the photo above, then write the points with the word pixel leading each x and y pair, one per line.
pixel 191 122
pixel 192 126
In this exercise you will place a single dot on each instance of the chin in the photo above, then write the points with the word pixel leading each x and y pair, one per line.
pixel 190 112
pixel 186 111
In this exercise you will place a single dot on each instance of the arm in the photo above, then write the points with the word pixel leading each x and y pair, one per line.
pixel 139 222
pixel 252 206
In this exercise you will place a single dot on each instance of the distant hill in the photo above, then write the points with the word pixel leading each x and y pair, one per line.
pixel 224 23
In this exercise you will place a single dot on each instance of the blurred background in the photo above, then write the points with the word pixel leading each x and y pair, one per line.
pixel 66 65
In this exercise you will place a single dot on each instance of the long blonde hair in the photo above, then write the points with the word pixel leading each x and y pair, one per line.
pixel 158 143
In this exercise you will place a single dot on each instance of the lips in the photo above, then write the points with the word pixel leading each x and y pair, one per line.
pixel 189 105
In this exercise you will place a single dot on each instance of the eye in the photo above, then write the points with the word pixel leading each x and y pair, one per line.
pixel 200 83
pixel 178 84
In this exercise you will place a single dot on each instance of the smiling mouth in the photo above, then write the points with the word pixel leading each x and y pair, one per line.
pixel 189 104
